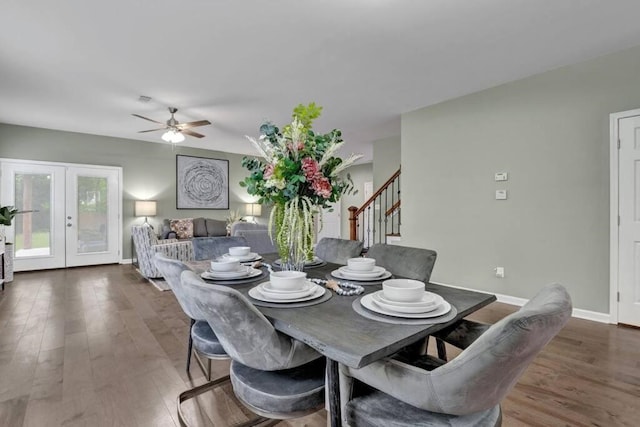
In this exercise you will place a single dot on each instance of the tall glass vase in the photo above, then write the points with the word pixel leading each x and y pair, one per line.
pixel 294 235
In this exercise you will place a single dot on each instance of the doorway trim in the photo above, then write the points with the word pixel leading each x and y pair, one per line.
pixel 66 165
pixel 614 208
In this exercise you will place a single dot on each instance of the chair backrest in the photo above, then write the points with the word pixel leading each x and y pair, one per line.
pixel 482 375
pixel 214 247
pixel 411 263
pixel 143 238
pixel 171 269
pixel 246 335
pixel 338 251
pixel 259 240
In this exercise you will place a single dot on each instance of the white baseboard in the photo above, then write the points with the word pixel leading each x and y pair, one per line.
pixel 126 261
pixel 578 313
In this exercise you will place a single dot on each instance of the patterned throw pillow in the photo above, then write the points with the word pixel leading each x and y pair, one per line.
pixel 183 227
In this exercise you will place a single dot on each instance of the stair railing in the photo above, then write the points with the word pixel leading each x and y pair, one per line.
pixel 379 217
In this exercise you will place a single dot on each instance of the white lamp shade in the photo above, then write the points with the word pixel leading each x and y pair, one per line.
pixel 253 209
pixel 145 208
pixel 173 136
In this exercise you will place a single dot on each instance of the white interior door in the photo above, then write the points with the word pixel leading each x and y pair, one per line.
pixel 92 216
pixel 629 229
pixel 331 224
pixel 38 237
pixel 76 218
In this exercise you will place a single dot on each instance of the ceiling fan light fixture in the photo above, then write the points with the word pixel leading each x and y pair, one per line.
pixel 173 136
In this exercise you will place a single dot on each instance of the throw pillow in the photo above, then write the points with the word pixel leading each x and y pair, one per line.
pixel 216 227
pixel 183 227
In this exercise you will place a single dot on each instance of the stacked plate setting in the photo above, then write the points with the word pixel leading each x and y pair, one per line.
pixel 405 298
pixel 287 286
pixel 361 269
pixel 242 254
pixel 228 268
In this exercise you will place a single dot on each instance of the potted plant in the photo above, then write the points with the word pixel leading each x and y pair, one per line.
pixel 7 213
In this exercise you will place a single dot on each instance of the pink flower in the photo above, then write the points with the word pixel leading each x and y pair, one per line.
pixel 322 187
pixel 268 171
pixel 310 168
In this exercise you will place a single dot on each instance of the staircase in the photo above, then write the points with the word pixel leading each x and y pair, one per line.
pixel 378 219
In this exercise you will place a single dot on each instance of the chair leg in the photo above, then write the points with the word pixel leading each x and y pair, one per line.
pixel 190 345
pixel 196 391
pixel 442 350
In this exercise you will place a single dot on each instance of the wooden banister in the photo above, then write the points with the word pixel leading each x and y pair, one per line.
pixel 392 209
pixel 377 193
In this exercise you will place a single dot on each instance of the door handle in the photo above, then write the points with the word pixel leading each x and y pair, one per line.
pixel 68 224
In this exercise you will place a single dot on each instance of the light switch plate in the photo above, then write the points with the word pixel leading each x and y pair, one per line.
pixel 501 194
pixel 501 176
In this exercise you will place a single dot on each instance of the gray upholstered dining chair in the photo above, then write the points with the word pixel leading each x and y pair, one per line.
pixel 272 374
pixel 411 263
pixel 214 247
pixel 200 333
pixel 466 391
pixel 338 251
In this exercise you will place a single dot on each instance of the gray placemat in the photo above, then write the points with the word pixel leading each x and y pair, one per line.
pixel 357 282
pixel 306 267
pixel 358 308
pixel 262 276
pixel 326 297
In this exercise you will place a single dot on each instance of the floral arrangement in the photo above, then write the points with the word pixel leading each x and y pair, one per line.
pixel 299 173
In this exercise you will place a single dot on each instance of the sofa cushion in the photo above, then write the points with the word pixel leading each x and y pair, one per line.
pixel 183 227
pixel 215 227
pixel 199 227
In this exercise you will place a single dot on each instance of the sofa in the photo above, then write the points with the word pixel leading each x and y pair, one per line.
pixel 257 236
pixel 187 228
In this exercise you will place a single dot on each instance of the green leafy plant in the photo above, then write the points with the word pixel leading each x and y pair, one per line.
pixel 7 213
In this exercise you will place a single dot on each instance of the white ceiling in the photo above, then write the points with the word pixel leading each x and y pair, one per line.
pixel 79 65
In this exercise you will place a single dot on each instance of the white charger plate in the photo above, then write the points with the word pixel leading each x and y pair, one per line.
pixel 256 294
pixel 367 302
pixel 340 275
pixel 252 256
pixel 266 290
pixel 428 298
pixel 375 273
pixel 405 309
pixel 222 275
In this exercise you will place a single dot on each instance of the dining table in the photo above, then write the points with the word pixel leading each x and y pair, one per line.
pixel 342 335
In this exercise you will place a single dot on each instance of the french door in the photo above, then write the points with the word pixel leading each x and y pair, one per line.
pixel 72 214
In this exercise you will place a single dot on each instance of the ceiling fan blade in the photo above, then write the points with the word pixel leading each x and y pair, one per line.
pixel 150 130
pixel 151 120
pixel 193 124
pixel 192 133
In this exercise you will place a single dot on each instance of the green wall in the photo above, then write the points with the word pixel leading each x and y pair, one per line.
pixel 148 168
pixel 550 132
pixel 386 159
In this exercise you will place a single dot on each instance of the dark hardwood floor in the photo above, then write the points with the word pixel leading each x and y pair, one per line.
pixel 101 346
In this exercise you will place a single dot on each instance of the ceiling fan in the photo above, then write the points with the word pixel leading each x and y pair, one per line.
pixel 175 130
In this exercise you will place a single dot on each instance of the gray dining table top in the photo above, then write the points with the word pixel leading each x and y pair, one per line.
pixel 335 330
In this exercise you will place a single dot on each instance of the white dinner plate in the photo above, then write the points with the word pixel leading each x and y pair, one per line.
pixel 368 303
pixel 256 294
pixel 314 261
pixel 428 299
pixel 241 271
pixel 267 291
pixel 340 275
pixel 252 256
pixel 222 275
pixel 375 273
pixel 404 309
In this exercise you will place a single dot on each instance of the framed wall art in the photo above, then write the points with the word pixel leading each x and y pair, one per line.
pixel 201 183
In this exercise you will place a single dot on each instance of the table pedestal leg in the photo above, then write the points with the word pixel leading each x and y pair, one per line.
pixel 333 386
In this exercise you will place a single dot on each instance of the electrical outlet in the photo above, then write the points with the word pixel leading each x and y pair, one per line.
pixel 499 272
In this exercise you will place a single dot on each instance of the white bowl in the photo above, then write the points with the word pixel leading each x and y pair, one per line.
pixel 361 264
pixel 405 290
pixel 239 250
pixel 288 280
pixel 225 264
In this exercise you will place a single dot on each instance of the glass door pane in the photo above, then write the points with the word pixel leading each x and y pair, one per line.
pixel 93 226
pixel 33 229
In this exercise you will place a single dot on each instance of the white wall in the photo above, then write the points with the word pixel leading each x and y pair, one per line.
pixel 550 132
